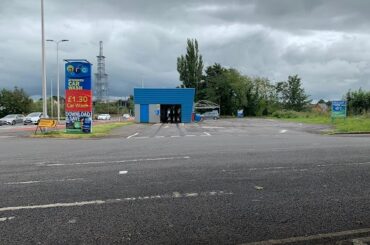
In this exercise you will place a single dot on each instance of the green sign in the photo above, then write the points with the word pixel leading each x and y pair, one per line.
pixel 339 109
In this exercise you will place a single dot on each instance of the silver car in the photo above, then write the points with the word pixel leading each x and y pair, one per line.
pixel 12 119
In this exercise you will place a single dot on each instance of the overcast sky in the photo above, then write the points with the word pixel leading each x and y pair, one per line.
pixel 325 42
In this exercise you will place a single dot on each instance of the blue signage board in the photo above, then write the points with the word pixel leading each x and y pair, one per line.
pixel 339 109
pixel 78 75
pixel 78 96
pixel 240 113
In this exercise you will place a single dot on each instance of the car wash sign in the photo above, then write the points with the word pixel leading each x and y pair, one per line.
pixel 78 96
pixel 339 109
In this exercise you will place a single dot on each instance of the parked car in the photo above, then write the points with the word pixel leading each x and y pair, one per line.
pixel 32 118
pixel 104 117
pixel 211 115
pixel 126 116
pixel 12 119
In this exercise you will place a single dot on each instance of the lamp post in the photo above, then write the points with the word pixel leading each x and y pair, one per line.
pixel 43 68
pixel 57 43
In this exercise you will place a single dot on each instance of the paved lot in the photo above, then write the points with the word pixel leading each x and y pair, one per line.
pixel 219 182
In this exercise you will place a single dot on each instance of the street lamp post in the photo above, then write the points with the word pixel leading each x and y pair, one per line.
pixel 43 68
pixel 57 43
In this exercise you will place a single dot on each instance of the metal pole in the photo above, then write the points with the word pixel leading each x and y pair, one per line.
pixel 43 72
pixel 51 99
pixel 58 105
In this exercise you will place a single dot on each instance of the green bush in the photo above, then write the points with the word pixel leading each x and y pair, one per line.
pixel 285 114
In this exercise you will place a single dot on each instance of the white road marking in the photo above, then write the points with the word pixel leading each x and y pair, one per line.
pixel 207 134
pixel 159 137
pixel 190 135
pixel 6 218
pixel 312 238
pixel 6 136
pixel 72 221
pixel 132 135
pixel 343 164
pixel 283 131
pixel 112 162
pixel 305 169
pixel 166 126
pixel 175 136
pixel 116 200
pixel 176 194
pixel 41 181
pixel 191 194
pixel 123 172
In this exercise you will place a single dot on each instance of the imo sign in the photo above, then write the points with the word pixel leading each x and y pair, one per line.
pixel 78 69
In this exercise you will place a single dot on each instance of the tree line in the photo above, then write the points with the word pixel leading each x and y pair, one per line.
pixel 257 96
pixel 358 102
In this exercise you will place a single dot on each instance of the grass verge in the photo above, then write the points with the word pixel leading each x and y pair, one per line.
pixel 99 130
pixel 359 124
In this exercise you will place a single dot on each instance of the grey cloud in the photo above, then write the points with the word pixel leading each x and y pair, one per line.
pixel 324 41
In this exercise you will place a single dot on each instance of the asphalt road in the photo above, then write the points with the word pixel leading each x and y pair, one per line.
pixel 218 182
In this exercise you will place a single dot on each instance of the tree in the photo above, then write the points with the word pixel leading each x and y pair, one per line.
pixel 190 66
pixel 292 94
pixel 14 102
pixel 358 101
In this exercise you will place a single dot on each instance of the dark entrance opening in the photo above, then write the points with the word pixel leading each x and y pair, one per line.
pixel 170 113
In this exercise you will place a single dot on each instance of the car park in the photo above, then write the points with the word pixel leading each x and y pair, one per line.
pixel 211 115
pixel 104 117
pixel 32 118
pixel 12 119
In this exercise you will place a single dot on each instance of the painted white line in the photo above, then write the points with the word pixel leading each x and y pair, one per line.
pixel 113 162
pixel 283 131
pixel 132 135
pixel 177 194
pixel 191 194
pixel 42 181
pixel 6 218
pixel 343 164
pixel 175 136
pixel 123 172
pixel 305 169
pixel 72 221
pixel 312 238
pixel 190 135
pixel 159 137
pixel 6 136
pixel 144 137
pixel 166 126
pixel 207 134
pixel 116 200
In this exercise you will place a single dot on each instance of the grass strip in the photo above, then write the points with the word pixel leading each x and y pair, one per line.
pixel 360 124
pixel 99 130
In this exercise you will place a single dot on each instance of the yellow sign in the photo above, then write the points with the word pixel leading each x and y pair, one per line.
pixel 47 123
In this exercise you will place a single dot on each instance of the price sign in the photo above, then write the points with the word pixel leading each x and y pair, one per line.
pixel 78 96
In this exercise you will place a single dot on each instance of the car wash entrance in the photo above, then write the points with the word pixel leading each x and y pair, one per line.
pixel 163 105
pixel 170 113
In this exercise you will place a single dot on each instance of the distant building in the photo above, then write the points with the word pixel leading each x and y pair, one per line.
pixel 321 107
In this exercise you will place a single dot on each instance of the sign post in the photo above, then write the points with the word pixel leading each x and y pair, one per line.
pixel 338 109
pixel 78 96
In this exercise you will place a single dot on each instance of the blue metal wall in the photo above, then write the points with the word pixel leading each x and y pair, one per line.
pixel 183 96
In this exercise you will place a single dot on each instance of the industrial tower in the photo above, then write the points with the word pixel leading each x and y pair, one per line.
pixel 101 78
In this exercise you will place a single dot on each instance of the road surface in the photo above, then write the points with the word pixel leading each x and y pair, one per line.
pixel 233 181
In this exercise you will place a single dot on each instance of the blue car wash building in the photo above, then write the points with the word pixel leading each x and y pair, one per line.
pixel 165 105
